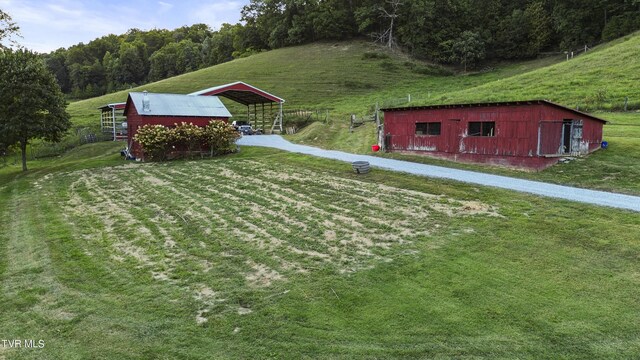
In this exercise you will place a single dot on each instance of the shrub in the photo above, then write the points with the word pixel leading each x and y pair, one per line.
pixel 158 141
pixel 155 141
pixel 219 137
pixel 187 136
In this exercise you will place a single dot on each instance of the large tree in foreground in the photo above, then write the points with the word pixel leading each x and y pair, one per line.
pixel 31 103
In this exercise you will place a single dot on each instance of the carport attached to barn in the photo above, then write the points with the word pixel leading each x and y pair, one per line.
pixel 248 95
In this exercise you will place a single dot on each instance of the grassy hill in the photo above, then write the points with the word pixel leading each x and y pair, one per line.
pixel 599 79
pixel 345 77
pixel 350 76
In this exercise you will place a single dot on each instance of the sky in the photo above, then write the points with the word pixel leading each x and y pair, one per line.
pixel 47 25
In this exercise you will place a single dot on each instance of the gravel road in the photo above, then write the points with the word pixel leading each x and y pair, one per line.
pixel 595 197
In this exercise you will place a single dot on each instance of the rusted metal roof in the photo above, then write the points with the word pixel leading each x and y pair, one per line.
pixel 242 93
pixel 487 104
pixel 177 105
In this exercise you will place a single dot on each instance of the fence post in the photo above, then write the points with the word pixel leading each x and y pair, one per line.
pixel 626 102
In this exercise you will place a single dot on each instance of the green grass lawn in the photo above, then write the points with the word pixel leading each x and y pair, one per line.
pixel 264 254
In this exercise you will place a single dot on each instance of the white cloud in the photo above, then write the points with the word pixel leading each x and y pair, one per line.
pixel 164 7
pixel 47 25
pixel 61 10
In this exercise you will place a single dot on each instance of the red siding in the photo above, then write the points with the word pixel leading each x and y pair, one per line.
pixel 550 136
pixel 135 121
pixel 515 141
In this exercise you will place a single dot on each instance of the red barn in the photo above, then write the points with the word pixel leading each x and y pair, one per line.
pixel 528 134
pixel 169 109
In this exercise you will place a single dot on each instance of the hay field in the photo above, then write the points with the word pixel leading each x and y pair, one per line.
pixel 243 226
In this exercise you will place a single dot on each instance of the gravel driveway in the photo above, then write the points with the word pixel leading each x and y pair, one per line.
pixel 595 197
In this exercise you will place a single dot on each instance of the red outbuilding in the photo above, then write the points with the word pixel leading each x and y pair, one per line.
pixel 527 134
pixel 144 108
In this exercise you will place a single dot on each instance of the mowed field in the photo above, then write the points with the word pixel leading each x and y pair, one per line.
pixel 270 255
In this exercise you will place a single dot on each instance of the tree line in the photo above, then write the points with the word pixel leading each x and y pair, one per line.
pixel 117 62
pixel 435 29
pixel 461 32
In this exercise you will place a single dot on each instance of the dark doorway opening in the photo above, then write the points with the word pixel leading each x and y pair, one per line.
pixel 566 136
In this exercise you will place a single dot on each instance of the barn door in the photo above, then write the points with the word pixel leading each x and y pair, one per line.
pixel 551 138
pixel 453 135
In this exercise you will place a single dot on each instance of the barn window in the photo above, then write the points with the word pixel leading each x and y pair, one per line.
pixel 482 128
pixel 428 128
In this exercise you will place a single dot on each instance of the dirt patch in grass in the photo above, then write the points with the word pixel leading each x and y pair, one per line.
pixel 200 316
pixel 261 275
pixel 244 311
pixel 155 181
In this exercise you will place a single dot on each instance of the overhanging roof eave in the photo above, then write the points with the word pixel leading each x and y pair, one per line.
pixel 257 96
pixel 499 103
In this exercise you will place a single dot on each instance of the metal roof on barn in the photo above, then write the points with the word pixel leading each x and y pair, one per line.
pixel 242 93
pixel 504 103
pixel 117 106
pixel 177 105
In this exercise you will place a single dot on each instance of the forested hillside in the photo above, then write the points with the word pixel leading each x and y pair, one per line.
pixel 465 33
